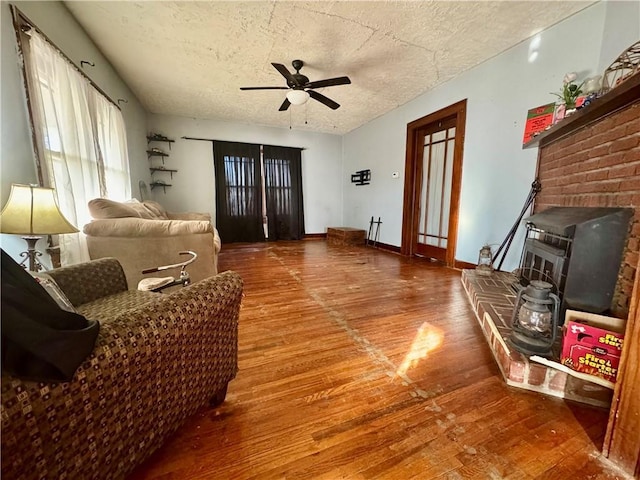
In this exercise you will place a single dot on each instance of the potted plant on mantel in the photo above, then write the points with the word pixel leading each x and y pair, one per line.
pixel 568 95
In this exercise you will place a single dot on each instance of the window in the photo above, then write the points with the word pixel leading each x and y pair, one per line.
pixel 241 197
pixel 79 134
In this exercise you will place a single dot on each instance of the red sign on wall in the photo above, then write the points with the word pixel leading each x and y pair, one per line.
pixel 538 119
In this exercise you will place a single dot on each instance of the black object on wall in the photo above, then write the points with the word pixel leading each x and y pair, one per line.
pixel 361 177
pixel 580 250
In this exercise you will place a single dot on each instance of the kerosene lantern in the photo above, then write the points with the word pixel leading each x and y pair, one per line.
pixel 485 261
pixel 535 319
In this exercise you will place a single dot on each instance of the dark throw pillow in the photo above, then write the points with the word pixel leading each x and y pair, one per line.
pixel 40 341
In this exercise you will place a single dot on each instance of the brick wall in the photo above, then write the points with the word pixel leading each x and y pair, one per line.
pixel 599 166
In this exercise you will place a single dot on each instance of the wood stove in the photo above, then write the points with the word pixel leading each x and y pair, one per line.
pixel 579 251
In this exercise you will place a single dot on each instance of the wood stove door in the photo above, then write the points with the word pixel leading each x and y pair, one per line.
pixel 434 177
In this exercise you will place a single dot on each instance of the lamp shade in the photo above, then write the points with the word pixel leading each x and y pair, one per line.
pixel 297 97
pixel 33 210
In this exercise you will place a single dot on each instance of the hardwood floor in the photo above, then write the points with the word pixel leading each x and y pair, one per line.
pixel 358 363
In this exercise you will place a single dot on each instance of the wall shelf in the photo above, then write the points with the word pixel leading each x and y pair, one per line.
pixel 162 169
pixel 156 153
pixel 621 96
pixel 160 184
pixel 156 137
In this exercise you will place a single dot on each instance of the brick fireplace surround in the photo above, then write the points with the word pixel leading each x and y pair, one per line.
pixel 598 166
pixel 589 160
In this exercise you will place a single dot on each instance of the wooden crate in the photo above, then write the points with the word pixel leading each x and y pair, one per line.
pixel 345 236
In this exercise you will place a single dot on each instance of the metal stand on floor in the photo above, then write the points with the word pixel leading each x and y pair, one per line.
pixel 377 234
pixel 536 186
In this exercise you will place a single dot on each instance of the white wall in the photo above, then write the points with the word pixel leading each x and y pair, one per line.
pixel 497 172
pixel 622 29
pixel 193 186
pixel 17 161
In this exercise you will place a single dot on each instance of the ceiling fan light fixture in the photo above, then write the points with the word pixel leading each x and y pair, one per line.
pixel 300 88
pixel 297 97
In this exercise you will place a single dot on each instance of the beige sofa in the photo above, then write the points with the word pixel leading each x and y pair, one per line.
pixel 143 235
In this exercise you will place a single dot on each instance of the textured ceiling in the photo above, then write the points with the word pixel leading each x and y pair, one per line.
pixel 191 58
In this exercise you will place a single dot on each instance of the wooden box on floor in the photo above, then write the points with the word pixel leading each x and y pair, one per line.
pixel 345 236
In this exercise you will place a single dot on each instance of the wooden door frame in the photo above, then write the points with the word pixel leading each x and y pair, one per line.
pixel 622 442
pixel 414 153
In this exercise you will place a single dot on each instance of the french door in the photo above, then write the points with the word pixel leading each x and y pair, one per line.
pixel 284 211
pixel 258 192
pixel 432 184
pixel 238 192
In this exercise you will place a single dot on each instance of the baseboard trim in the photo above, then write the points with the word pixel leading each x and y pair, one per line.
pixel 314 236
pixel 385 246
pixel 459 264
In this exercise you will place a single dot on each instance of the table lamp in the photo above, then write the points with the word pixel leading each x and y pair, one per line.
pixel 33 212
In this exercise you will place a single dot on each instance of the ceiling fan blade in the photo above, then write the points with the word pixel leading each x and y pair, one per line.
pixel 329 82
pixel 284 71
pixel 264 88
pixel 285 105
pixel 322 99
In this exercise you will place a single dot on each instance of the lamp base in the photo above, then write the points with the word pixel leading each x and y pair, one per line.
pixel 530 346
pixel 32 254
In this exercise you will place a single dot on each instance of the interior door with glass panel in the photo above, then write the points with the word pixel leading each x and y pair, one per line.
pixel 432 183
pixel 434 177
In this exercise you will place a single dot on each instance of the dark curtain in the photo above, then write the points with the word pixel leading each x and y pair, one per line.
pixel 283 191
pixel 238 192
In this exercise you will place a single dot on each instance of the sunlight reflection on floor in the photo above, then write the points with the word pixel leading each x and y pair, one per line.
pixel 427 340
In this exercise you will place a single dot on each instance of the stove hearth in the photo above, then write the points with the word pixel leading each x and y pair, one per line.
pixel 493 301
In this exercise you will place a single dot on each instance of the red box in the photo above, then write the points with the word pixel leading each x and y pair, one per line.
pixel 592 343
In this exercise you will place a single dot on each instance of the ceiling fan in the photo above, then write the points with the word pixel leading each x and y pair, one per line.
pixel 300 88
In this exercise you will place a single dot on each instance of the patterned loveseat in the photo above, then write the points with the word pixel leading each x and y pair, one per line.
pixel 157 359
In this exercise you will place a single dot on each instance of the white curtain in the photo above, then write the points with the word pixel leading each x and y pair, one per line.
pixel 81 140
